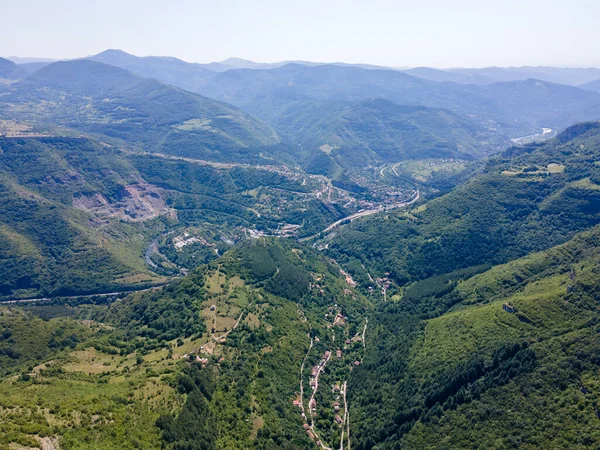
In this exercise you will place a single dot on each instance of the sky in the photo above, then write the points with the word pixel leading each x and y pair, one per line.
pixel 397 33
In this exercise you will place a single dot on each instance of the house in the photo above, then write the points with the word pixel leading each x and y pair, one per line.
pixel 297 403
pixel 306 427
pixel 203 361
pixel 310 434
pixel 338 354
pixel 313 403
pixel 357 363
pixel 336 406
pixel 213 307
pixel 338 419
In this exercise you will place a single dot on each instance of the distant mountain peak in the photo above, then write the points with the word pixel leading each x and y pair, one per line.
pixel 234 61
pixel 114 52
pixel 9 69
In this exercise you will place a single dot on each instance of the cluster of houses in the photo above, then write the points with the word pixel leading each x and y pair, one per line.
pixel 202 361
pixel 336 404
pixel 338 318
pixel 385 281
pixel 185 239
pixel 315 370
pixel 317 286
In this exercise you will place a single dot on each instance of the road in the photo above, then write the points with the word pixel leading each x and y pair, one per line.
pixel 153 248
pixel 312 423
pixel 364 332
pixel 224 335
pixel 346 420
pixel 301 383
pixel 73 297
pixel 363 214
pixel 217 165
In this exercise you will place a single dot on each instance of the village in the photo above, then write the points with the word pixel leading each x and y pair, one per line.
pixel 325 413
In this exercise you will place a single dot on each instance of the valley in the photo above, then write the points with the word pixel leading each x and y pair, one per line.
pixel 297 256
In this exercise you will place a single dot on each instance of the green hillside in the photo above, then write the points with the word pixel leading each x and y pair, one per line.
pixel 378 131
pixel 362 270
pixel 140 113
pixel 528 199
pixel 487 334
pixel 49 246
pixel 173 71
pixel 72 206
pixel 517 346
pixel 512 108
pixel 183 373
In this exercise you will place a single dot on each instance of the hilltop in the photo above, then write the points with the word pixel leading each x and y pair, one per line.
pixel 141 113
pixel 9 69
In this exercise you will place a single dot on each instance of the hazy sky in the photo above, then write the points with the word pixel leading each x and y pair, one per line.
pixel 439 33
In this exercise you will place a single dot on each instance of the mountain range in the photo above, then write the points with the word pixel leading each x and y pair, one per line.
pixel 147 114
pixel 297 256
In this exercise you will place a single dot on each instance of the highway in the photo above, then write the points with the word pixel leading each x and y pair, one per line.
pixel 363 214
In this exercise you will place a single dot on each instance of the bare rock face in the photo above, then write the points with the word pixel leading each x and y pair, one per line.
pixel 135 203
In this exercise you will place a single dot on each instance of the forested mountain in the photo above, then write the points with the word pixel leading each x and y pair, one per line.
pixel 50 247
pixel 502 107
pixel 376 131
pixel 571 76
pixel 508 358
pixel 141 113
pixel 71 207
pixel 490 315
pixel 518 105
pixel 344 257
pixel 592 86
pixel 10 70
pixel 462 340
pixel 173 71
pixel 527 199
pixel 213 361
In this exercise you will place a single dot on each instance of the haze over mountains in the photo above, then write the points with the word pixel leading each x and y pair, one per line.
pixel 297 255
pixel 99 98
pixel 572 76
pixel 488 113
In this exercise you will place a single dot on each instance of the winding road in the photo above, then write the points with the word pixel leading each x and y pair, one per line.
pixel 74 297
pixel 312 422
pixel 363 214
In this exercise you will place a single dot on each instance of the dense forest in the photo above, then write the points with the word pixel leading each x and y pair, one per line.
pixel 365 265
pixel 526 200
pixel 75 206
